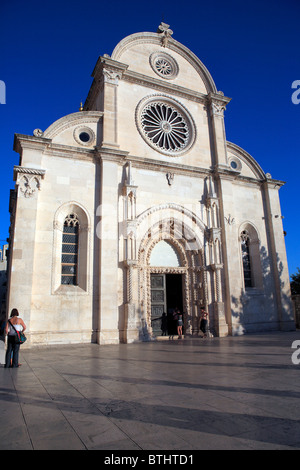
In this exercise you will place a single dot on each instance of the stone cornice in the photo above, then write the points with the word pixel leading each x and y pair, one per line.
pixel 163 86
pixel 159 85
pixel 108 63
pixel 273 184
pixel 226 173
pixel 28 171
pixel 104 66
pixel 110 154
pixel 68 151
pixel 158 165
pixel 29 142
pixel 218 98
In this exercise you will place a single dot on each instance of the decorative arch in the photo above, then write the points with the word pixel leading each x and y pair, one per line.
pixel 66 122
pixel 248 159
pixel 173 45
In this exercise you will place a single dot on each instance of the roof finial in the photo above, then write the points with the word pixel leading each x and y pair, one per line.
pixel 166 33
pixel 81 107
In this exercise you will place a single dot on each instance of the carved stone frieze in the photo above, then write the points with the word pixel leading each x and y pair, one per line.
pixel 28 180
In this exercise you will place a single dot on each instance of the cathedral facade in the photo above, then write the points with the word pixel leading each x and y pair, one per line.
pixel 137 204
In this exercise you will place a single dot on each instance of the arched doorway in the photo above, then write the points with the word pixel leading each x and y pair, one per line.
pixel 166 296
pixel 170 277
pixel 166 286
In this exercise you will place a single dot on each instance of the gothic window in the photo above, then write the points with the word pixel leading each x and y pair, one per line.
pixel 69 256
pixel 251 258
pixel 71 250
pixel 246 258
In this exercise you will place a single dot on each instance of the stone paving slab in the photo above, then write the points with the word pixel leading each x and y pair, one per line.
pixel 182 395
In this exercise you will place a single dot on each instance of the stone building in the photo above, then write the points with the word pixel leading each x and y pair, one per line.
pixel 137 204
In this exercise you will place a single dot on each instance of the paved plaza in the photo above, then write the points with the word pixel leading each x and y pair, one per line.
pixel 181 395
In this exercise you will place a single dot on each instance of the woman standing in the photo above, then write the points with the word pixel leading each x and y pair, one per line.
pixel 179 324
pixel 203 322
pixel 13 347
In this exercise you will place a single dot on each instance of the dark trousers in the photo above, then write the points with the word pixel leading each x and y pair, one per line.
pixel 12 352
pixel 203 326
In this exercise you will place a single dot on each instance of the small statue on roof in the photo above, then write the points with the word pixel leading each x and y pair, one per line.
pixel 166 33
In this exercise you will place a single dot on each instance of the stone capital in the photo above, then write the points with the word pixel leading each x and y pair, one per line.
pixel 218 103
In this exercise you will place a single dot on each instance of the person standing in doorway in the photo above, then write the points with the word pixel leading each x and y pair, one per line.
pixel 164 324
pixel 179 323
pixel 203 322
pixel 13 347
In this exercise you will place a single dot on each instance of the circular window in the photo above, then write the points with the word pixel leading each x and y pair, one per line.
pixel 166 125
pixel 164 65
pixel 235 164
pixel 84 136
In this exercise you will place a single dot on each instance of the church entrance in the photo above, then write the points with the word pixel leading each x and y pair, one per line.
pixel 166 295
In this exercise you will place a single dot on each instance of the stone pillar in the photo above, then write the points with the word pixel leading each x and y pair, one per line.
pixel 220 325
pixel 277 252
pixel 107 231
pixel 22 244
pixel 129 193
pixel 217 105
pixel 131 330
pixel 109 72
pixel 214 258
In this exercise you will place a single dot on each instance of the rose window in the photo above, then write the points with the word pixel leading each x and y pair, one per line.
pixel 164 65
pixel 165 125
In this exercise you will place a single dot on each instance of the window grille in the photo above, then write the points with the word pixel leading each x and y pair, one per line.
pixel 69 256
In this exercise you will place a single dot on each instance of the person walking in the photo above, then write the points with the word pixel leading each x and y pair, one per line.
pixel 13 347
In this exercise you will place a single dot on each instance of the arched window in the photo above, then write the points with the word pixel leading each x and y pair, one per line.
pixel 71 250
pixel 251 261
pixel 246 258
pixel 69 255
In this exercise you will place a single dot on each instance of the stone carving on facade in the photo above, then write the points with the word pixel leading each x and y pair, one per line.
pixel 28 180
pixel 218 104
pixel 170 178
pixel 230 220
pixel 218 109
pixel 112 77
pixel 38 133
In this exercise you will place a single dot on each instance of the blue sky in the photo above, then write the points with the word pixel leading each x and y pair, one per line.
pixel 251 48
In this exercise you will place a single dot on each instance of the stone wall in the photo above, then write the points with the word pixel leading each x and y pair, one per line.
pixel 296 302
